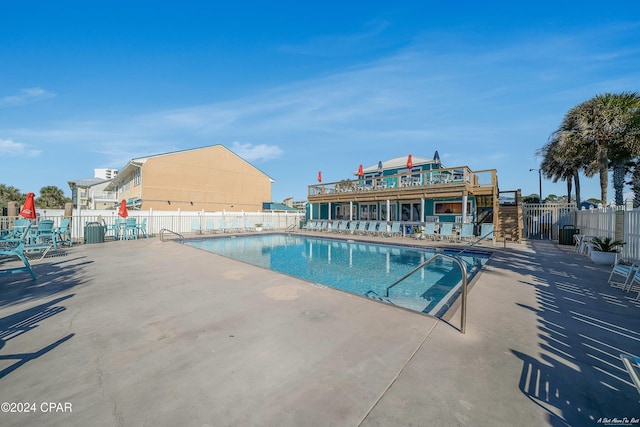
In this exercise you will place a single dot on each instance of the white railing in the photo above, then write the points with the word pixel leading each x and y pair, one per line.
pixel 606 222
pixel 177 221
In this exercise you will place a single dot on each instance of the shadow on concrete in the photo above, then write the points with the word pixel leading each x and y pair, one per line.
pixel 53 276
pixel 20 323
pixel 584 325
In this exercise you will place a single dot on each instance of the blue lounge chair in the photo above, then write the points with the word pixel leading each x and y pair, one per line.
pixel 396 230
pixel 486 232
pixel 248 226
pixel 446 231
pixel 235 227
pixel 373 227
pixel 466 232
pixel 335 226
pixel 223 226
pixel 429 230
pixel 195 226
pixel 343 227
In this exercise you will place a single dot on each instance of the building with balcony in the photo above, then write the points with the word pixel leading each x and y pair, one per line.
pixel 211 178
pixel 413 192
pixel 90 193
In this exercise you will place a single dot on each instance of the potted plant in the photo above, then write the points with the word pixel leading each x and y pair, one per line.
pixel 605 250
pixel 259 227
pixel 417 232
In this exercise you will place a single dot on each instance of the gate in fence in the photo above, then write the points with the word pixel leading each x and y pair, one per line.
pixel 544 221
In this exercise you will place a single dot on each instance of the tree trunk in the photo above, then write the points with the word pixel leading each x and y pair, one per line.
pixel 604 176
pixel 569 182
pixel 618 182
pixel 635 185
pixel 576 178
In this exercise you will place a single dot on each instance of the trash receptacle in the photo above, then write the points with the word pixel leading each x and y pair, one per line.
pixel 566 235
pixel 93 233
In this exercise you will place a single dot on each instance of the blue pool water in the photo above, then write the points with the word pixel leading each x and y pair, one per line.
pixel 357 267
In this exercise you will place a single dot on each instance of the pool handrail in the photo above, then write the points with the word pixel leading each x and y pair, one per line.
pixel 472 244
pixel 166 230
pixel 463 315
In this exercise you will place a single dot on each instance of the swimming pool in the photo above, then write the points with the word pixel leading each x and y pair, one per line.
pixel 357 267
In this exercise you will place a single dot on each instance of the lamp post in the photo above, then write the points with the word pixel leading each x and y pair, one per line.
pixel 540 195
pixel 539 181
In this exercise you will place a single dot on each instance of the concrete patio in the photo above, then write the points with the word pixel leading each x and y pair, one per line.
pixel 133 333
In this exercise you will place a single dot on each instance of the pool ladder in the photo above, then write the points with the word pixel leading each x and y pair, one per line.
pixel 463 308
pixel 166 230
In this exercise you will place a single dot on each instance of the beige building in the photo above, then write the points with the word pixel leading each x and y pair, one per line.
pixel 211 178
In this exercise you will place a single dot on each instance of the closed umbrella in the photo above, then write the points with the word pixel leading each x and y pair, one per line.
pixel 123 212
pixel 360 171
pixel 409 162
pixel 29 209
pixel 319 176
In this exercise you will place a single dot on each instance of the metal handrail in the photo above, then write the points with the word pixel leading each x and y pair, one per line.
pixel 472 244
pixel 169 231
pixel 290 228
pixel 463 315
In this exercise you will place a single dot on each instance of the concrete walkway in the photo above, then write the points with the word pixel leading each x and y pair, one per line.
pixel 143 332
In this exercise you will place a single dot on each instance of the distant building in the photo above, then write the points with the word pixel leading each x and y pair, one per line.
pixel 211 178
pixel 105 173
pixel 91 193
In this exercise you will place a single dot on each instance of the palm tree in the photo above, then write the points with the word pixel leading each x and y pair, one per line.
pixel 607 133
pixel 51 197
pixel 10 194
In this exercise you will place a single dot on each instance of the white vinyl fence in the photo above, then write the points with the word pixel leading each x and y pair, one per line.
pixel 176 221
pixel 608 222
pixel 544 221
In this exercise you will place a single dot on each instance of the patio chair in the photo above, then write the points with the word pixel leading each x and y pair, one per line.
pixel 195 226
pixel 223 226
pixel 115 228
pixel 446 231
pixel 334 226
pixel 360 228
pixel 429 230
pixel 623 268
pixel 373 227
pixel 44 233
pixel 396 230
pixel 248 226
pixel 235 227
pixel 486 231
pixel 343 227
pixel 15 247
pixel 466 232
pixel 63 232
pixel 130 229
pixel 635 280
pixel 142 228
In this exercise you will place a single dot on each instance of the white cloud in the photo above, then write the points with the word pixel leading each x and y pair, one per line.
pixel 11 148
pixel 26 96
pixel 256 153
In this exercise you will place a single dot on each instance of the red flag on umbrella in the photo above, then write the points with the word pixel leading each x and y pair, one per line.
pixel 319 176
pixel 123 212
pixel 360 171
pixel 29 209
pixel 409 162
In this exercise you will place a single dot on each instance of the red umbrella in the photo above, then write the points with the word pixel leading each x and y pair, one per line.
pixel 319 176
pixel 409 162
pixel 29 209
pixel 360 171
pixel 123 212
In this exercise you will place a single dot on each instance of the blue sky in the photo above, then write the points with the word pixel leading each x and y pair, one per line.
pixel 298 87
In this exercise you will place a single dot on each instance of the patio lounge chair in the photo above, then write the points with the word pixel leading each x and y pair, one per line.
pixel 429 230
pixel 343 227
pixel 335 226
pixel 223 226
pixel 396 230
pixel 635 280
pixel 195 226
pixel 466 232
pixel 446 231
pixel 625 269
pixel 44 233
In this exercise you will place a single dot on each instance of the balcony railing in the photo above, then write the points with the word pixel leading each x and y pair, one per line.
pixel 437 178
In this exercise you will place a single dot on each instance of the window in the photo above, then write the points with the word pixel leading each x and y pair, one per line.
pixel 137 177
pixel 444 208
